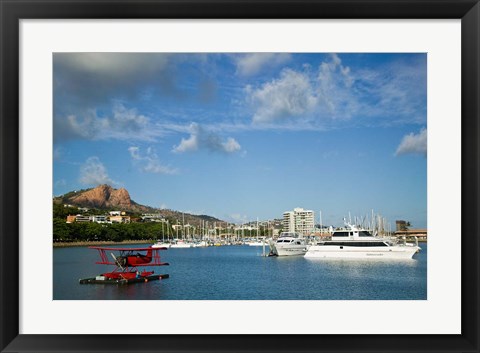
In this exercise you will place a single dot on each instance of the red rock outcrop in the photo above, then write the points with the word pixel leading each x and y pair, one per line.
pixel 104 196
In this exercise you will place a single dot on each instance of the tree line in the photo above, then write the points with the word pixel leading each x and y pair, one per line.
pixel 117 232
pixel 92 231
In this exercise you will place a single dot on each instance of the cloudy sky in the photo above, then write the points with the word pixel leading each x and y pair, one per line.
pixel 241 136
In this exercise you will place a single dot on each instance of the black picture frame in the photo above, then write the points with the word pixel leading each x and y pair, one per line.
pixel 12 11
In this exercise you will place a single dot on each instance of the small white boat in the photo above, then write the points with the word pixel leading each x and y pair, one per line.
pixel 161 244
pixel 179 243
pixel 356 243
pixel 288 244
pixel 257 242
pixel 200 244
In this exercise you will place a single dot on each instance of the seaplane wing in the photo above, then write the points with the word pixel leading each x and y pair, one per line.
pixel 125 249
pixel 136 265
pixel 129 257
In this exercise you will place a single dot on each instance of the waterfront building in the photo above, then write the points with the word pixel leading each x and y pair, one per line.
pixel 421 234
pixel 153 217
pixel 299 220
pixel 402 225
pixel 119 219
pixel 82 218
pixel 98 219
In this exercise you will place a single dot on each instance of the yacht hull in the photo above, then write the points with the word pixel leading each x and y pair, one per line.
pixel 161 245
pixel 180 246
pixel 256 244
pixel 392 252
pixel 288 250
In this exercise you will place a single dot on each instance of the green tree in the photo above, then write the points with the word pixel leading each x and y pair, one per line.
pixel 93 230
pixel 78 231
pixel 61 230
pixel 60 211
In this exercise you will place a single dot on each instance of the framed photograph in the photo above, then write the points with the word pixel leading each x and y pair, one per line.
pixel 310 168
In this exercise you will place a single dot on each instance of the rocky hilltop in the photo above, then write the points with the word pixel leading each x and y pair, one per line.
pixel 105 197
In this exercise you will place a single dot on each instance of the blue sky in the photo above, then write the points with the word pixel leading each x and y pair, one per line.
pixel 241 136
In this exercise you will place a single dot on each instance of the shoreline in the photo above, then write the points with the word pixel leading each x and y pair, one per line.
pixel 97 243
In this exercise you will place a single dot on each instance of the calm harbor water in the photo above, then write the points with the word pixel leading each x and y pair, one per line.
pixel 241 273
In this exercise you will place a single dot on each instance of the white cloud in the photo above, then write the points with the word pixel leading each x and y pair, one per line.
pixel 413 143
pixel 187 145
pixel 333 85
pixel 289 96
pixel 202 139
pixel 93 172
pixel 123 121
pixel 333 94
pixel 231 145
pixel 120 123
pixel 332 73
pixel 87 83
pixel 149 162
pixel 253 63
pixel 134 152
pixel 306 96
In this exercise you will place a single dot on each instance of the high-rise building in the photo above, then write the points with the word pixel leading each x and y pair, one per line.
pixel 299 220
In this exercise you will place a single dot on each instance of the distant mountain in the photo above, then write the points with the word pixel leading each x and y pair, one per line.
pixel 105 197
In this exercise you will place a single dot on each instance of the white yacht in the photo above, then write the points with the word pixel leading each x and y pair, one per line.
pixel 200 244
pixel 161 244
pixel 356 243
pixel 288 244
pixel 180 243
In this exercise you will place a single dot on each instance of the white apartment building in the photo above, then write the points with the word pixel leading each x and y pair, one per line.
pixel 98 219
pixel 153 217
pixel 299 220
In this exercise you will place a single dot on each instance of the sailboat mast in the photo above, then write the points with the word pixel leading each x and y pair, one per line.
pixel 321 227
pixel 183 226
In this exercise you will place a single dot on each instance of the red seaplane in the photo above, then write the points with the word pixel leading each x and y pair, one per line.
pixel 126 264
